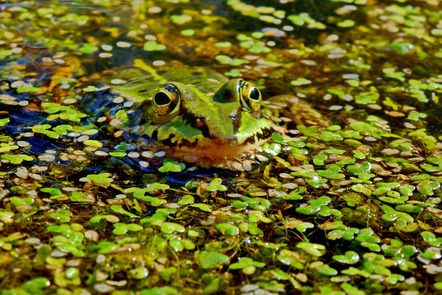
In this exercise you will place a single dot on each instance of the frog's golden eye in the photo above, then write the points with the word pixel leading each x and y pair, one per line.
pixel 166 100
pixel 250 96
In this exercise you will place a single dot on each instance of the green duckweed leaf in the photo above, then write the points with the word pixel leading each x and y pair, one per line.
pixel 88 48
pixel 93 143
pixel 170 227
pixel 102 178
pixel 227 229
pixel 186 199
pixel 309 210
pixel 291 258
pixel 90 88
pixel 319 160
pixel 202 207
pixel 394 279
pixel 215 185
pixel 176 244
pixel 259 204
pixel 391 73
pixel 28 89
pixel 51 190
pixel 325 269
pixel 346 23
pixel 277 138
pixel 311 248
pixel 248 265
pixel 42 129
pixel 350 257
pixel 152 45
pixel 5 147
pixel 407 190
pixel 427 187
pixel 332 172
pixel 188 244
pixel 410 208
pixel 300 81
pixel 368 240
pixel 62 129
pixel 280 275
pixel 360 188
pixel 180 19
pixel 422 176
pixel 309 132
pixel 431 239
pixel 17 159
pixel 215 286
pixel 171 165
pixel 118 154
pixel 223 44
pixel 402 48
pixel 36 286
pixel 323 200
pixel 394 200
pixel 120 229
pixel 343 232
pixel 188 32
pixel 210 259
pixel 159 186
pixel 392 215
pixel 62 216
pixel 351 290
pixel 316 182
pixel 355 271
pixel 77 197
pixel 139 273
pixel 330 136
pixel 120 210
pixel 431 255
pixel 4 121
pixel 63 228
pixel 254 230
pixel 134 227
pixel 233 73
pixel 166 290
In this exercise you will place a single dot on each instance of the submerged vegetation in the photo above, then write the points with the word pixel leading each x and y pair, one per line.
pixel 353 208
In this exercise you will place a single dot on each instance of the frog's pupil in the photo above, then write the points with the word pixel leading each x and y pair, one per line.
pixel 254 94
pixel 162 98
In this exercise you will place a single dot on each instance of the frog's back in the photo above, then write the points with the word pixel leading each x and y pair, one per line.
pixel 141 82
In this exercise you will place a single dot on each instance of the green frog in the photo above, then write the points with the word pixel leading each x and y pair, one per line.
pixel 202 117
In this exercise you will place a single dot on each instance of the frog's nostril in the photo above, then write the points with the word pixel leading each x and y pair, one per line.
pixel 199 122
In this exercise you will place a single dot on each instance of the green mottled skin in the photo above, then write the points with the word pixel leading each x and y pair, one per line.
pixel 209 123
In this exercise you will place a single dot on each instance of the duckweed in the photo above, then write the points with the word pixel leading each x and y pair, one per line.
pixel 152 45
pixel 353 208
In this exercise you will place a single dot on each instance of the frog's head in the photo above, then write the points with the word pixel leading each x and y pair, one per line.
pixel 197 125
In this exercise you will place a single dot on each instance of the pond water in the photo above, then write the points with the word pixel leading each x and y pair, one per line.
pixel 351 208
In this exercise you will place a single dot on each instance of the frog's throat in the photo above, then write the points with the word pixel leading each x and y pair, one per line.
pixel 215 152
pixel 212 152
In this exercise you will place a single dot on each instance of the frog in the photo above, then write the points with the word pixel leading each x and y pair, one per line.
pixel 200 116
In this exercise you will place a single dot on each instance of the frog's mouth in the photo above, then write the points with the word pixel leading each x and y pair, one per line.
pixel 208 138
pixel 210 150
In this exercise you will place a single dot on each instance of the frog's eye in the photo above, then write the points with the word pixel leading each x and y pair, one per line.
pixel 166 100
pixel 250 96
